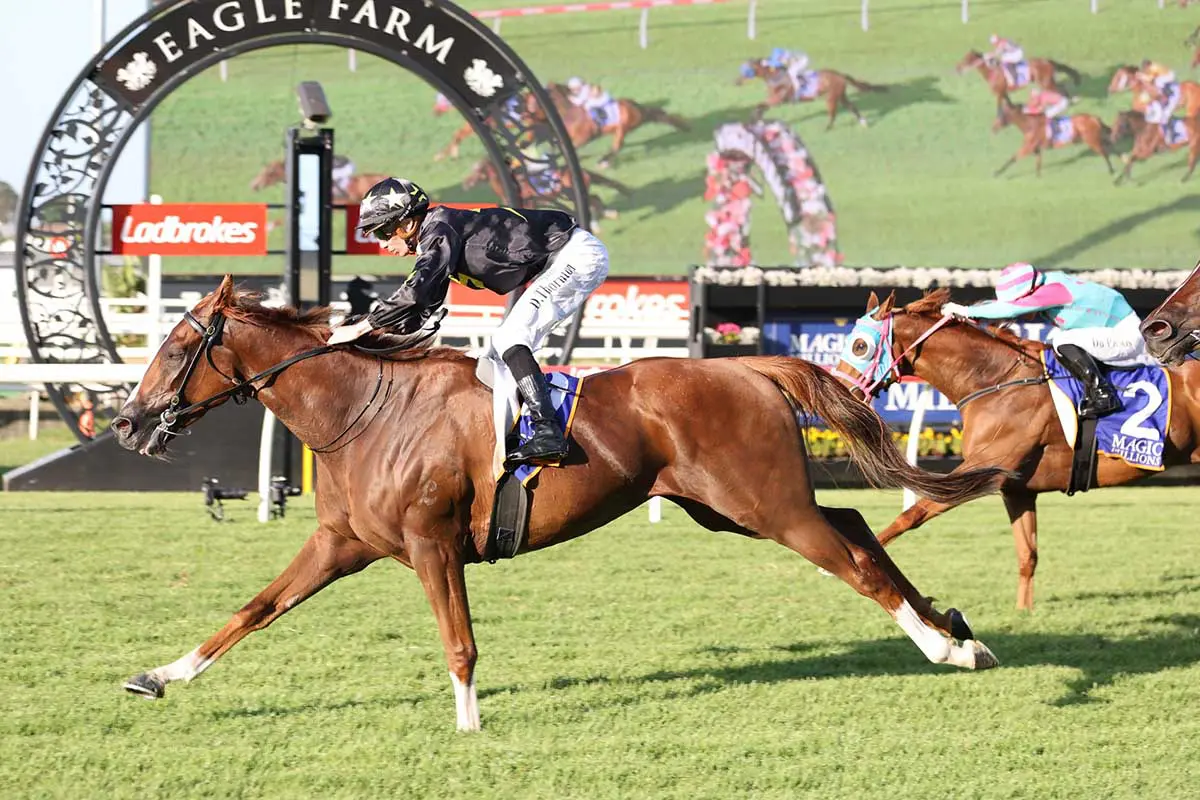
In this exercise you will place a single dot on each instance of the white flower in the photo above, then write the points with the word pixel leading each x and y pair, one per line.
pixel 138 73
pixel 481 79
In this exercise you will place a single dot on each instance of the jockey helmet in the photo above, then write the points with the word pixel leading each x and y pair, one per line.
pixel 575 84
pixel 391 200
pixel 994 39
pixel 1017 280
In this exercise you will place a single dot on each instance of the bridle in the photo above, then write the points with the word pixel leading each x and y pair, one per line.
pixel 179 411
pixel 886 377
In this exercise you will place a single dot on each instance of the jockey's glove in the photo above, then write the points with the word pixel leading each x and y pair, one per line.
pixel 955 310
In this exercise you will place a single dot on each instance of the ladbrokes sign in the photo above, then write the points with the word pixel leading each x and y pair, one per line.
pixel 442 39
pixel 190 229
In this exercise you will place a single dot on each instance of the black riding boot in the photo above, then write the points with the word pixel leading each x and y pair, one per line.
pixel 1102 397
pixel 547 445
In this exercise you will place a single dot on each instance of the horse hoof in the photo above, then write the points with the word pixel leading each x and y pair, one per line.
pixel 862 121
pixel 146 686
pixel 959 628
pixel 984 657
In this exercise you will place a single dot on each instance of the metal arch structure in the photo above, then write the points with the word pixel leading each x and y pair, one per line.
pixel 58 282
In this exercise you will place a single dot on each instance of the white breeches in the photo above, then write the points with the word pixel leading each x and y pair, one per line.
pixel 1054 110
pixel 1121 345
pixel 561 290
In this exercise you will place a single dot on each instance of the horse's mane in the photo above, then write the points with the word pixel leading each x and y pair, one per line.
pixel 931 304
pixel 246 306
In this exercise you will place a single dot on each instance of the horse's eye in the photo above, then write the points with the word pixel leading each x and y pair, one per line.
pixel 861 347
pixel 174 355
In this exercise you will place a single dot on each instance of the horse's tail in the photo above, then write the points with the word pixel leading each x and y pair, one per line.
pixel 870 443
pixel 1070 72
pixel 863 86
pixel 660 114
pixel 602 180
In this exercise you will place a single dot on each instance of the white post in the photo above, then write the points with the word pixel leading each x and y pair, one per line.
pixel 99 12
pixel 264 466
pixel 751 21
pixel 1095 6
pixel 352 58
pixel 496 25
pixel 224 69
pixel 644 28
pixel 912 452
pixel 154 294
pixel 656 509
pixel 34 398
pixel 866 22
pixel 966 14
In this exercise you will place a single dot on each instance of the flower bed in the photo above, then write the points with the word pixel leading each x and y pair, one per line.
pixel 916 277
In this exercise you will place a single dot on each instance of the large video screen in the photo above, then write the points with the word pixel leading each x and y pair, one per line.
pixel 915 185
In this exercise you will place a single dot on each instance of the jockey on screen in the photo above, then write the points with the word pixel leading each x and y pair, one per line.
pixel 1091 322
pixel 1046 102
pixel 1008 53
pixel 1163 87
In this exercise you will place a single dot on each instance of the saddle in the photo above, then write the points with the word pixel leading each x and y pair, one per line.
pixel 509 526
pixel 1135 434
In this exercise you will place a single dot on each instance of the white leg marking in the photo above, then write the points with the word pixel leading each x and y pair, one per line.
pixel 466 703
pixel 185 669
pixel 938 648
pixel 933 644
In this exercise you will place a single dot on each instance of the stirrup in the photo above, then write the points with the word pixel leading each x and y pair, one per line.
pixel 522 456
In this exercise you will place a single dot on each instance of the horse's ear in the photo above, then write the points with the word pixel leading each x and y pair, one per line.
pixel 885 310
pixel 872 302
pixel 223 296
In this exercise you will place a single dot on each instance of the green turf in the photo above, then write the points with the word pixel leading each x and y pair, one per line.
pixel 640 662
pixel 18 450
pixel 914 189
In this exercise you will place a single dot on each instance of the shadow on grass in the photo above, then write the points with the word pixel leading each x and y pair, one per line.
pixel 1117 228
pixel 1099 659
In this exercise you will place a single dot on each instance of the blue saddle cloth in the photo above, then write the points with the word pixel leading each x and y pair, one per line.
pixel 564 394
pixel 1175 131
pixel 1061 129
pixel 1137 432
pixel 809 86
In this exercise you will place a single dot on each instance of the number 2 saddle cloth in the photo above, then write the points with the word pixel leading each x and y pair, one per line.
pixel 1135 434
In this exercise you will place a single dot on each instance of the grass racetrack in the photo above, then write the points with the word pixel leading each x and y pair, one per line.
pixel 916 188
pixel 639 662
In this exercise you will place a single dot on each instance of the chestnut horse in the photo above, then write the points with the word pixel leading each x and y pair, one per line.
pixel 1042 71
pixel 1008 416
pixel 1148 139
pixel 356 187
pixel 405 451
pixel 581 128
pixel 450 151
pixel 485 171
pixel 1087 129
pixel 1172 331
pixel 831 85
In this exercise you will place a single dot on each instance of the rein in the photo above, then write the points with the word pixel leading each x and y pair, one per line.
pixel 993 389
pixel 178 410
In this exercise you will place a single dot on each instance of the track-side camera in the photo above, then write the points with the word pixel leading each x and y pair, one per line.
pixel 313 105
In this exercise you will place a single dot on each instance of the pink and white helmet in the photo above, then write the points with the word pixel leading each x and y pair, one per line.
pixel 575 84
pixel 994 39
pixel 1017 280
